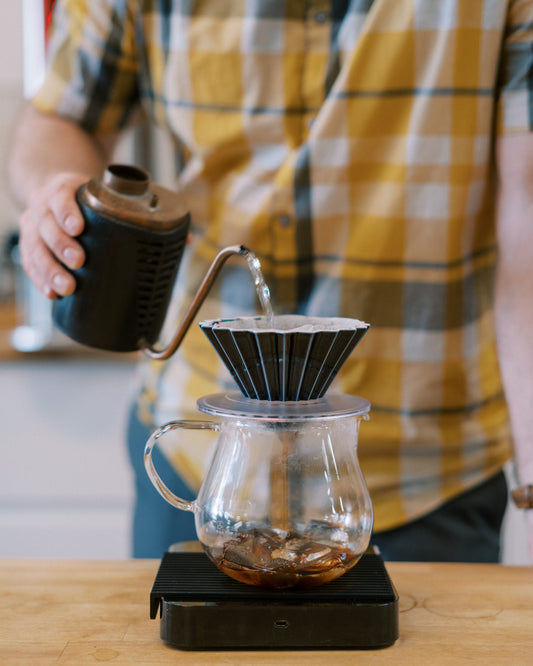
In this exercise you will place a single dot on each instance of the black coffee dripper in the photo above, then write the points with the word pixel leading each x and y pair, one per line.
pixel 287 357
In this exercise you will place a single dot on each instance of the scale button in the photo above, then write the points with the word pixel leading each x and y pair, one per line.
pixel 281 624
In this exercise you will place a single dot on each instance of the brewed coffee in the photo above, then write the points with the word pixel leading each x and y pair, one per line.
pixel 279 559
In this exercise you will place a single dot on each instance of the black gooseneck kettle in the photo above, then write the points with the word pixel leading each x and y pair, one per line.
pixel 134 236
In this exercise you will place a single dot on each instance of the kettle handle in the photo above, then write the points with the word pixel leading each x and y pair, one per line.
pixel 156 480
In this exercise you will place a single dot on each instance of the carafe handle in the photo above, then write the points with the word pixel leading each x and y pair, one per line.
pixel 156 480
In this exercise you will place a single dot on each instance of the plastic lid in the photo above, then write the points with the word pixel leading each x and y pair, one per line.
pixel 234 404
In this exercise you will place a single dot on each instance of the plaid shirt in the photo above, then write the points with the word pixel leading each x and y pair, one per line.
pixel 349 145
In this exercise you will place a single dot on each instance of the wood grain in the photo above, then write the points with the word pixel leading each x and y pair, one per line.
pixel 90 612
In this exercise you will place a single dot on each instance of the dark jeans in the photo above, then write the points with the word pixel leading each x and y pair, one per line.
pixel 156 524
pixel 466 529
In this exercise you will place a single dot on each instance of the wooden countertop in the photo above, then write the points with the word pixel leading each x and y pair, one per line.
pixel 8 321
pixel 88 612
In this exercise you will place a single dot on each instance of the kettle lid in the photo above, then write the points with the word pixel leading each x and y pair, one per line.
pixel 128 194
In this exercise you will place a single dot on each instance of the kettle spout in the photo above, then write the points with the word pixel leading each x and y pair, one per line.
pixel 203 290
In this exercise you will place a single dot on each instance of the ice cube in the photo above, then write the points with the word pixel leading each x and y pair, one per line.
pixel 281 565
pixel 286 554
pixel 271 538
pixel 315 554
pixel 242 555
pixel 325 532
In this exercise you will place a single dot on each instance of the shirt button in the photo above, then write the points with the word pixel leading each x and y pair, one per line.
pixel 321 16
pixel 284 220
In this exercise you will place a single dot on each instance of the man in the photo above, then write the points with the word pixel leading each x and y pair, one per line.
pixel 377 157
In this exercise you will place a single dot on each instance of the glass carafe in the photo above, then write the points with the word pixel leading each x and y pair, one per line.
pixel 284 502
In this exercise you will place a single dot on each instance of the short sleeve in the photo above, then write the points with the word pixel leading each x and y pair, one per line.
pixel 92 68
pixel 515 85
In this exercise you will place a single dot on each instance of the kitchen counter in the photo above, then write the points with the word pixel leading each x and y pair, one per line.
pixel 87 612
pixel 9 320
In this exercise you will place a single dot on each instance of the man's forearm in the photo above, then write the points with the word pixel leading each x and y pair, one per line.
pixel 514 322
pixel 46 145
pixel 514 293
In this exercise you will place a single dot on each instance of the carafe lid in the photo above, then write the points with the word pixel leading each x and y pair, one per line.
pixel 127 194
pixel 234 405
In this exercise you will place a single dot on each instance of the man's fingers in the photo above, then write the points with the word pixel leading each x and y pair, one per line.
pixel 48 275
pixel 48 230
pixel 62 202
pixel 63 246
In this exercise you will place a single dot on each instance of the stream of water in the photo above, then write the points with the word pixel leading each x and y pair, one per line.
pixel 261 287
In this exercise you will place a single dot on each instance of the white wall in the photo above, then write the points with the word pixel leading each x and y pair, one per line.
pixel 10 96
pixel 65 481
pixel 11 44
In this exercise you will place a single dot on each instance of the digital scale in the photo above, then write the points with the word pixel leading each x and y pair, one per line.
pixel 201 608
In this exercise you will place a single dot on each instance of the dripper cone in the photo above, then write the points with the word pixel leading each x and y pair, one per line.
pixel 287 357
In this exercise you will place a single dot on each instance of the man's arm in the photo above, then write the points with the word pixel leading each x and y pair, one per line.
pixel 50 158
pixel 514 296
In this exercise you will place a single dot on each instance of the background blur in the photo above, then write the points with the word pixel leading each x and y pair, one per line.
pixel 65 484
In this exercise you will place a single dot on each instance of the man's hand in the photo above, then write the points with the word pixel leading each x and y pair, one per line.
pixel 48 228
pixel 50 158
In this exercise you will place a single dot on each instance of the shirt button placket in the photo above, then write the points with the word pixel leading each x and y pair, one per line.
pixel 321 16
pixel 284 220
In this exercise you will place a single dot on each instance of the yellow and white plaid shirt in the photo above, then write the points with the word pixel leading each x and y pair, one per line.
pixel 348 144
